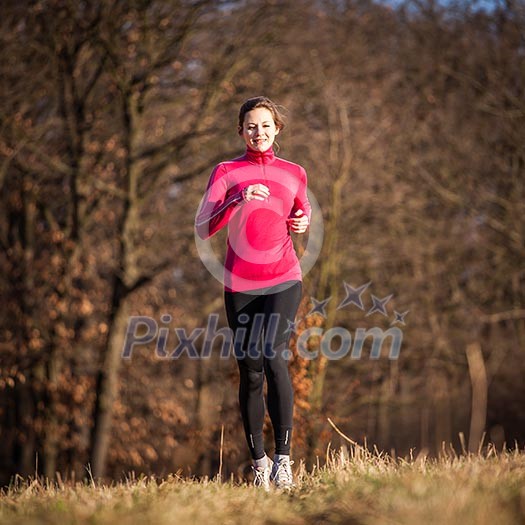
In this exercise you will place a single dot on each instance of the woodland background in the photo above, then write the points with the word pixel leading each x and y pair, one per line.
pixel 410 122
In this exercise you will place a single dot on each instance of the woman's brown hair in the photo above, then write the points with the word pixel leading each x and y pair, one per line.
pixel 261 102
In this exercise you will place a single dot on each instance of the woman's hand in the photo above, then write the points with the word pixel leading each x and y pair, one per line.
pixel 299 223
pixel 259 192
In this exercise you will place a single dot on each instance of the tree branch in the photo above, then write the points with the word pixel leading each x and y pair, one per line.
pixel 503 316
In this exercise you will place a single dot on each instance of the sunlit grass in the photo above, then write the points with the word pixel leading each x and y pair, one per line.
pixel 354 485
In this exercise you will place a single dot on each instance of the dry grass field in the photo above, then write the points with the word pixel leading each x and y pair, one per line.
pixel 354 486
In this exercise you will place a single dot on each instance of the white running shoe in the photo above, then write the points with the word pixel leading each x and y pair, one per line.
pixel 282 473
pixel 262 476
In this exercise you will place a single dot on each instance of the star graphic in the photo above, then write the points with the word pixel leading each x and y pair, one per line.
pixel 400 317
pixel 319 307
pixel 292 326
pixel 378 305
pixel 353 295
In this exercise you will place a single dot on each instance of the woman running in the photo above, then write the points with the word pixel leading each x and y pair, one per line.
pixel 262 198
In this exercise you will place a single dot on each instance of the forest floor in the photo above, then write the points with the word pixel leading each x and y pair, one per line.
pixel 355 486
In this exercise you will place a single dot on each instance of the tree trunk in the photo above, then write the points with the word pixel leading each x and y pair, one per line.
pixel 341 155
pixel 107 383
pixel 107 390
pixel 443 429
pixel 478 379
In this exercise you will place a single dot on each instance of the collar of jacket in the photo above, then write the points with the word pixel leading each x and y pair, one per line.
pixel 260 157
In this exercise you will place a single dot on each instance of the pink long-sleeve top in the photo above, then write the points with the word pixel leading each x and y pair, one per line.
pixel 260 251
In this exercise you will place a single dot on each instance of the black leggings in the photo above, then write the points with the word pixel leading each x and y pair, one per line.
pixel 256 358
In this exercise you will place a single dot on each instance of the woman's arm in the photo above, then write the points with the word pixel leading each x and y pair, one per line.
pixel 301 210
pixel 216 205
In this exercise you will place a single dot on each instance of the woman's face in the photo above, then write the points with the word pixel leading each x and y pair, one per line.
pixel 258 130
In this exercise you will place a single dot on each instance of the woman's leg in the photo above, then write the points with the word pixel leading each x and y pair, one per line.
pixel 241 310
pixel 280 392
